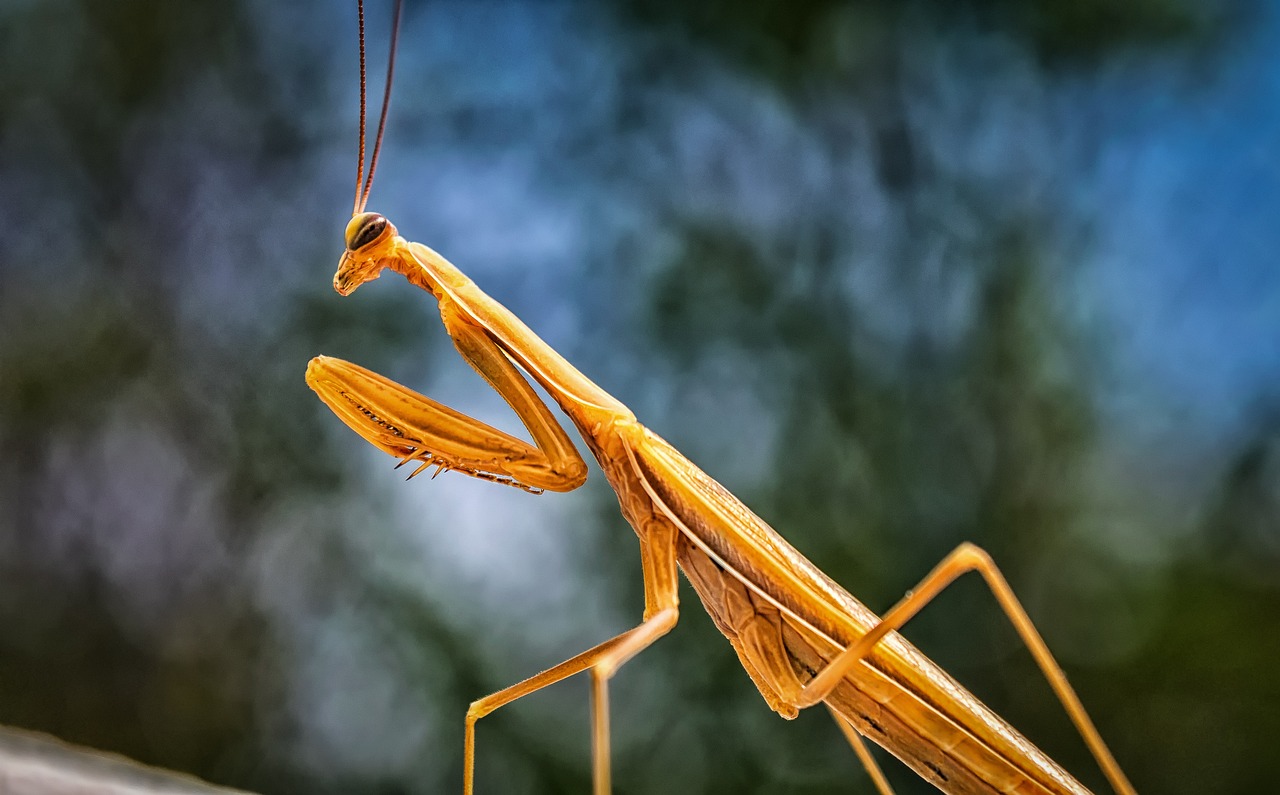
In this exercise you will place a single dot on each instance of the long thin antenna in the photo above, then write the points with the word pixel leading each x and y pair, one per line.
pixel 360 163
pixel 362 196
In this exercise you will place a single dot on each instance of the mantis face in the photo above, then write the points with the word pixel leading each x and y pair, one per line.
pixel 371 243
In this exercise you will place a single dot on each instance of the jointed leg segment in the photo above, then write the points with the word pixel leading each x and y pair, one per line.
pixel 864 753
pixel 659 553
pixel 966 558
pixel 604 661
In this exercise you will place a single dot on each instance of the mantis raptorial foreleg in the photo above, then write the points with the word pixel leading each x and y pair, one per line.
pixel 557 466
pixel 413 427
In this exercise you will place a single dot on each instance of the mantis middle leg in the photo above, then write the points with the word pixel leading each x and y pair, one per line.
pixel 658 549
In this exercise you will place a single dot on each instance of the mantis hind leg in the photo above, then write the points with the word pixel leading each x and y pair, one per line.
pixel 966 558
pixel 864 753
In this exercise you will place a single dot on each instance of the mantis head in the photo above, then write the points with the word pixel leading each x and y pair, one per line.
pixel 371 241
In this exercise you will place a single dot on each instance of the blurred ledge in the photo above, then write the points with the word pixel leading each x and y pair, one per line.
pixel 40 764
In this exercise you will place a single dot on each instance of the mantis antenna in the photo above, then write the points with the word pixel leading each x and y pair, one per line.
pixel 362 195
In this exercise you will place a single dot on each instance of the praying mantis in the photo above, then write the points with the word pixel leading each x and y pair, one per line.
pixel 802 639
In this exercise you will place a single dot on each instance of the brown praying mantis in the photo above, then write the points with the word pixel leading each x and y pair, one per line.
pixel 802 639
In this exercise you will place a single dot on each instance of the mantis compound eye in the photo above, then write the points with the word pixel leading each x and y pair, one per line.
pixel 363 229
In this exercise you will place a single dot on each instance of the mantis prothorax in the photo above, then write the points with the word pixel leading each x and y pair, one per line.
pixel 802 639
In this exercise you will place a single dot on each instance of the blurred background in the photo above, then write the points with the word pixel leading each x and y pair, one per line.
pixel 899 274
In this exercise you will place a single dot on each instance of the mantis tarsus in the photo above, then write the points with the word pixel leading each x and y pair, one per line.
pixel 802 639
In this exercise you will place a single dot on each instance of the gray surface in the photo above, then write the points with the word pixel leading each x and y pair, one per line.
pixel 39 764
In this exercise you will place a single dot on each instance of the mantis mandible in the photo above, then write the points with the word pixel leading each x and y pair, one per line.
pixel 802 639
